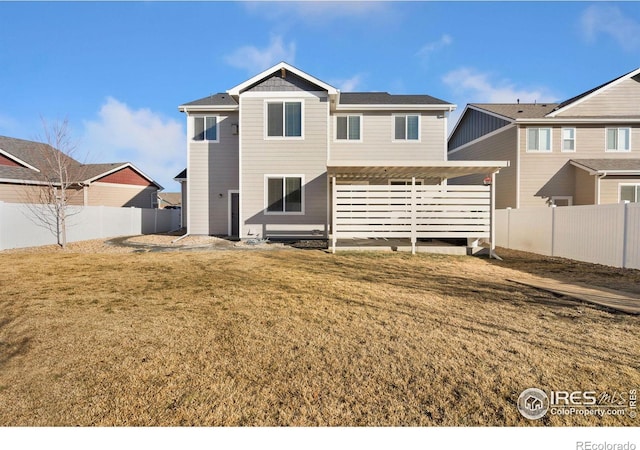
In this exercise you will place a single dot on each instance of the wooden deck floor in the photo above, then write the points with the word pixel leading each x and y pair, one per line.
pixel 609 298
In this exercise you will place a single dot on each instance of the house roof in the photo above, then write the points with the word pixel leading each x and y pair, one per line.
pixel 608 165
pixel 585 94
pixel 516 111
pixel 181 176
pixel 384 98
pixel 34 154
pixel 281 66
pixel 219 99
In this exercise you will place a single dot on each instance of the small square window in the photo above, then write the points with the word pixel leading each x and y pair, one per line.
pixel 284 195
pixel 568 139
pixel 407 127
pixel 205 128
pixel 618 139
pixel 284 119
pixel 538 139
pixel 348 128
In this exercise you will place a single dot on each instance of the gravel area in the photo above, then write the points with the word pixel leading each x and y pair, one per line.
pixel 151 242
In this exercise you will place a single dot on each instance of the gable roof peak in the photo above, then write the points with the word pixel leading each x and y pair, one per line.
pixel 237 90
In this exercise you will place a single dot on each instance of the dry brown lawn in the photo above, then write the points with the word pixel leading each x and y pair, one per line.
pixel 300 337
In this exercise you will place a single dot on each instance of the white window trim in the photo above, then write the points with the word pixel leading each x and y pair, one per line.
pixel 539 151
pixel 636 185
pixel 405 140
pixel 266 195
pixel 266 119
pixel 606 131
pixel 335 129
pixel 193 128
pixel 569 199
pixel 575 139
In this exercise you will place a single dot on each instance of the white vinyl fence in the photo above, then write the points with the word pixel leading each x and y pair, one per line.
pixel 602 234
pixel 383 211
pixel 21 225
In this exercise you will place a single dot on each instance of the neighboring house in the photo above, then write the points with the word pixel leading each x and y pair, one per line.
pixel 583 151
pixel 169 200
pixel 23 173
pixel 275 156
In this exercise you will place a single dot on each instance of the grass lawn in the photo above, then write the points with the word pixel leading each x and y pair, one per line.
pixel 295 337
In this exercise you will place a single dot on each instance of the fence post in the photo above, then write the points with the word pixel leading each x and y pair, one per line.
pixel 414 238
pixel 553 230
pixel 625 232
pixel 509 227
pixel 1 220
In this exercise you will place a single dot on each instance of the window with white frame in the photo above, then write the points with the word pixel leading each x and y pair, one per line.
pixel 284 119
pixel 284 194
pixel 568 139
pixel 630 193
pixel 618 139
pixel 205 128
pixel 349 128
pixel 538 139
pixel 407 127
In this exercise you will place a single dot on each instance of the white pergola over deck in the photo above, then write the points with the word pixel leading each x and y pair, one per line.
pixel 413 211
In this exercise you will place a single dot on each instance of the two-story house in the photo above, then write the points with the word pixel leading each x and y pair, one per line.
pixel 285 154
pixel 583 151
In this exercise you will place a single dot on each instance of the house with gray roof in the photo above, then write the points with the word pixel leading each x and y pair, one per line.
pixel 583 151
pixel 286 155
pixel 25 169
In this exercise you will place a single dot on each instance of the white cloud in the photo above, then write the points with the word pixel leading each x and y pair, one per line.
pixel 349 84
pixel 610 20
pixel 154 144
pixel 255 59
pixel 430 47
pixel 478 87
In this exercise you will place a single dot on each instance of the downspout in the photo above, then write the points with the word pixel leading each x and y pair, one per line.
pixel 599 177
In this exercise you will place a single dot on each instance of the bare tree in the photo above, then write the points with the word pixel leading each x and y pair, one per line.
pixel 60 179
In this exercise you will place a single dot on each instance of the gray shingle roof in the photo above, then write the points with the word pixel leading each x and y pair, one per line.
pixel 604 164
pixel 32 153
pixel 384 98
pixel 181 175
pixel 517 110
pixel 220 99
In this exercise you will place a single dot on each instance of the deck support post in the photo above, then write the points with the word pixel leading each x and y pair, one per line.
pixel 413 216
pixel 334 204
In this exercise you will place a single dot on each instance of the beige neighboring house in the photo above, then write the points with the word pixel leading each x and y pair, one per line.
pixel 583 151
pixel 23 174
pixel 287 155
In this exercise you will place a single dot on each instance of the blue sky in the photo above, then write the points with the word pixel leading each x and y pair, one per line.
pixel 119 70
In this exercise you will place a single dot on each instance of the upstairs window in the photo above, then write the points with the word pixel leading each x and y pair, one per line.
pixel 538 139
pixel 348 128
pixel 205 128
pixel 284 119
pixel 618 139
pixel 568 139
pixel 407 127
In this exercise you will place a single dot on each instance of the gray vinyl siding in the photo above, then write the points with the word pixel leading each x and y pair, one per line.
pixel 544 175
pixel 473 125
pixel 377 140
pixel 498 147
pixel 212 172
pixel 276 83
pixel 287 157
pixel 622 99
